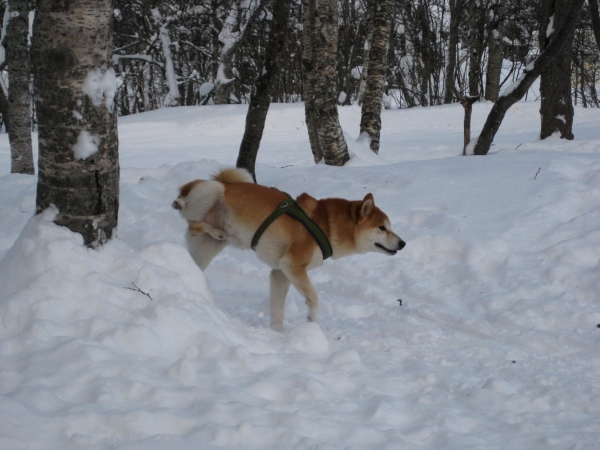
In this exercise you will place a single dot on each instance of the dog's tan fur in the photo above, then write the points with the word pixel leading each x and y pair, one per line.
pixel 228 210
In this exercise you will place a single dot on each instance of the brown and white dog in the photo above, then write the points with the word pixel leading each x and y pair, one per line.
pixel 229 208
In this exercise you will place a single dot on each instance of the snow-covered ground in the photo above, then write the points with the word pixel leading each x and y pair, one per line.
pixel 495 346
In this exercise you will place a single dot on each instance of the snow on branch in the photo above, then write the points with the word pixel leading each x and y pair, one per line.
pixel 172 98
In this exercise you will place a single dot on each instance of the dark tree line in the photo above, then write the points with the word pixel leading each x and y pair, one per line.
pixel 194 52
pixel 218 49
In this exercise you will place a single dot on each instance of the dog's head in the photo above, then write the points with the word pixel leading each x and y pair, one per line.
pixel 187 200
pixel 374 231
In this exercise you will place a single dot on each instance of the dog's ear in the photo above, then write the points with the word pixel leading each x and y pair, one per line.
pixel 368 205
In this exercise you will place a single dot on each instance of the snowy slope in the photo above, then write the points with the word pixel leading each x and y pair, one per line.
pixel 495 345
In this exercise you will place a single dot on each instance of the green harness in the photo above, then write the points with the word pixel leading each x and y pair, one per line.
pixel 291 208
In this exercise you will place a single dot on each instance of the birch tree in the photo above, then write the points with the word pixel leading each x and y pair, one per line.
pixel 476 44
pixel 495 49
pixel 324 33
pixel 172 98
pixel 455 15
pixel 595 19
pixel 308 64
pixel 19 101
pixel 556 108
pixel 74 91
pixel 237 23
pixel 370 120
pixel 371 6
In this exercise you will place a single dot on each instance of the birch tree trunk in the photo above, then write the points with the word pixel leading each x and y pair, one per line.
pixel 74 92
pixel 172 97
pixel 331 138
pixel 427 54
pixel 19 101
pixel 476 29
pixel 261 96
pixel 371 6
pixel 455 8
pixel 595 18
pixel 513 94
pixel 235 28
pixel 4 108
pixel 308 64
pixel 556 107
pixel 370 120
pixel 495 50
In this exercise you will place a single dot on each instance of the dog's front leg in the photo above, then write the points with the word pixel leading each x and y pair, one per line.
pixel 280 285
pixel 299 278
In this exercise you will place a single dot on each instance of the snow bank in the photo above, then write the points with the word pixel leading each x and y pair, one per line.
pixel 493 347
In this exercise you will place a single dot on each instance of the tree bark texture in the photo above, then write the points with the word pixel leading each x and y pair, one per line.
pixel 371 6
pixel 308 64
pixel 560 40
pixel 19 101
pixel 556 107
pixel 331 138
pixel 476 40
pixel 455 9
pixel 595 17
pixel 236 27
pixel 370 120
pixel 261 96
pixel 4 109
pixel 74 92
pixel 427 53
pixel 467 103
pixel 495 50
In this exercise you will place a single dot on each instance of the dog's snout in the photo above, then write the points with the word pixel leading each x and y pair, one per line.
pixel 401 244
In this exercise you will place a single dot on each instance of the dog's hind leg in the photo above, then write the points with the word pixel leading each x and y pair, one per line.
pixel 299 278
pixel 203 248
pixel 280 285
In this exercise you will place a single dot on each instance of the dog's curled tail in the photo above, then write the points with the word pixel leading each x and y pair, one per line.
pixel 233 175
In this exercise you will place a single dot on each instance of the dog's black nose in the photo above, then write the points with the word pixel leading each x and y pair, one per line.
pixel 176 205
pixel 401 244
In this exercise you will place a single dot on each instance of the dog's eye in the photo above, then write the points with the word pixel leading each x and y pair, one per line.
pixel 382 228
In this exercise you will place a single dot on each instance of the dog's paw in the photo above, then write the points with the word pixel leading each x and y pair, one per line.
pixel 277 327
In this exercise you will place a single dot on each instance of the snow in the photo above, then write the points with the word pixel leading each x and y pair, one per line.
pixel 550 28
pixel 87 144
pixel 206 88
pixel 509 89
pixel 356 71
pixel 6 18
pixel 100 85
pixel 495 345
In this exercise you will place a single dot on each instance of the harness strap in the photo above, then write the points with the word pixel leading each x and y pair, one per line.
pixel 292 209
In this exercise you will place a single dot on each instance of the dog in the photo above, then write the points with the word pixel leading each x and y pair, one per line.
pixel 230 207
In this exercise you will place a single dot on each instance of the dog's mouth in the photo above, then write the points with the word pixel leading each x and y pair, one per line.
pixel 387 250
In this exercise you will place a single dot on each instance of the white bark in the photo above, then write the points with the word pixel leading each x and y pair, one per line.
pixel 172 98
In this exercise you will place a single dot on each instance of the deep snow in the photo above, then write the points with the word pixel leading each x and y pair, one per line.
pixel 495 345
